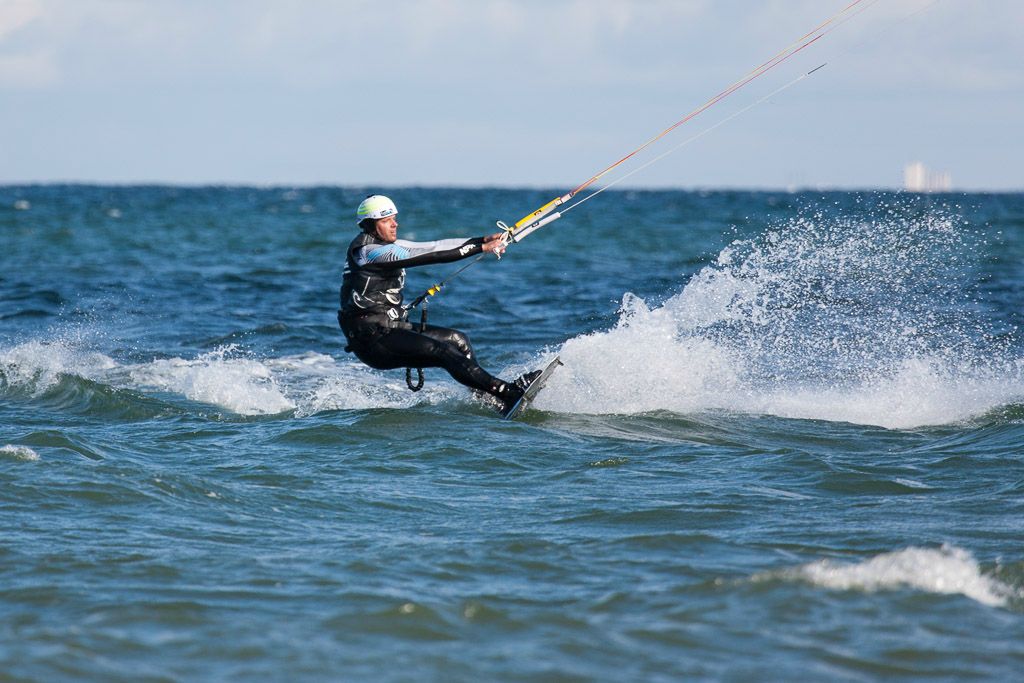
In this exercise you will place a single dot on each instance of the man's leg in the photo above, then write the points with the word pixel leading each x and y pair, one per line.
pixel 408 348
pixel 446 335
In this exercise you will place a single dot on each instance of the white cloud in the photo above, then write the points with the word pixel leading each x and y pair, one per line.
pixel 15 14
pixel 32 70
pixel 321 43
pixel 20 66
pixel 454 79
pixel 610 43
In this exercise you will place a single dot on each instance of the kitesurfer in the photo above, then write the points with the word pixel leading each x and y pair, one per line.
pixel 374 320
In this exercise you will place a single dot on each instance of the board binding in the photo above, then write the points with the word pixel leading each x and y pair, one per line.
pixel 531 391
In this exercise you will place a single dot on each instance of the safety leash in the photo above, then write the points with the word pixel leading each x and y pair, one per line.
pixel 419 371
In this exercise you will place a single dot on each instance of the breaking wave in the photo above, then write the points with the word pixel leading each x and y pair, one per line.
pixel 18 452
pixel 870 320
pixel 947 571
pixel 242 385
pixel 65 373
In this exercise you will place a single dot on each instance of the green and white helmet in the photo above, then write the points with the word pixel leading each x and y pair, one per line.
pixel 375 206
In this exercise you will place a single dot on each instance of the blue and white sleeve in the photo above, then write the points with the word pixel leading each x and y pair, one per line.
pixel 407 254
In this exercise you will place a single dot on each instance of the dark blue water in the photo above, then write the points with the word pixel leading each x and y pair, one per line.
pixel 786 443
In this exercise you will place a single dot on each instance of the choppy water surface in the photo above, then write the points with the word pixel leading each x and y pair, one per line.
pixel 786 442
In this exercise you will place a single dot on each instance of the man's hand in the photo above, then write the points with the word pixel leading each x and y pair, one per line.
pixel 496 243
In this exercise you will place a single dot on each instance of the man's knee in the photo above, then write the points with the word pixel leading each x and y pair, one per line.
pixel 461 340
pixel 452 338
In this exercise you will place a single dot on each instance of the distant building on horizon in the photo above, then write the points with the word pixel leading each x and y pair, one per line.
pixel 919 178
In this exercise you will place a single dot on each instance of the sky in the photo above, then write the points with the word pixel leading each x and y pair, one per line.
pixel 510 93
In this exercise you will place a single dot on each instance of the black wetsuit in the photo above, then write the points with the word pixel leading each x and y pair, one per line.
pixel 374 321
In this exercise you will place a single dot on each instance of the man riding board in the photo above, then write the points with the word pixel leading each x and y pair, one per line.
pixel 374 320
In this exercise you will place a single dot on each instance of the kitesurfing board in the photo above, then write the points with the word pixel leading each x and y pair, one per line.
pixel 532 390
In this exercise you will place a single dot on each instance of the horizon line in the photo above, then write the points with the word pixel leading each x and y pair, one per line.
pixel 790 189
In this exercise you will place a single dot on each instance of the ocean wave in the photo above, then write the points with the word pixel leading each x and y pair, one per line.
pixel 946 571
pixel 826 318
pixel 36 366
pixel 321 383
pixel 18 452
pixel 63 374
pixel 245 386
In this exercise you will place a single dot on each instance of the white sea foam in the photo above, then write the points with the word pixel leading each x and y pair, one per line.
pixel 864 321
pixel 641 365
pixel 306 383
pixel 644 364
pixel 922 391
pixel 354 389
pixel 226 377
pixel 18 452
pixel 320 382
pixel 947 570
pixel 239 384
pixel 37 366
pixel 242 385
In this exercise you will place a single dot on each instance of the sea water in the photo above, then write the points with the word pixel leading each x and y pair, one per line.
pixel 787 441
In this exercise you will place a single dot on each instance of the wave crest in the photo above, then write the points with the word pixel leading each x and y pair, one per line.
pixel 947 570
pixel 868 319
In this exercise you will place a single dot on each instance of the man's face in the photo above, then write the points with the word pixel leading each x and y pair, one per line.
pixel 387 228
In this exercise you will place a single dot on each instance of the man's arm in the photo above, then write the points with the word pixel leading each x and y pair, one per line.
pixel 406 254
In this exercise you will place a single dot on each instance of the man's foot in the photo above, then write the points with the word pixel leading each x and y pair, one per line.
pixel 509 394
pixel 526 379
pixel 502 397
